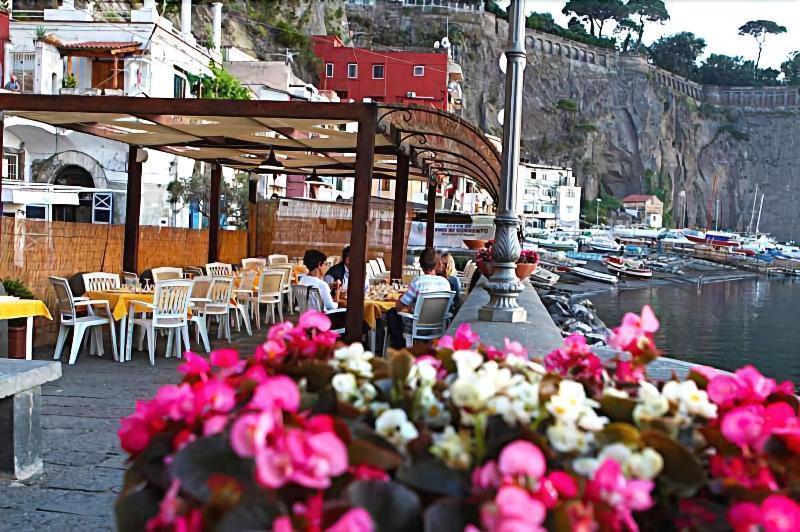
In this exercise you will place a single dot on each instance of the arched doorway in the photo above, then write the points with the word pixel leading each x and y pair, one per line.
pixel 76 176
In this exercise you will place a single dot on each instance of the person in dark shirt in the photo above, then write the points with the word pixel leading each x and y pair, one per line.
pixel 341 271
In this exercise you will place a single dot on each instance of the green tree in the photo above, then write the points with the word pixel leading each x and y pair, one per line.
pixel 726 70
pixel 759 29
pixel 596 12
pixel 197 189
pixel 642 12
pixel 678 53
pixel 541 21
pixel 791 68
pixel 220 85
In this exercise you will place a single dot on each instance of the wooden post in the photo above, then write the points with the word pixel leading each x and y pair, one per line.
pixel 213 217
pixel 365 153
pixel 133 201
pixel 430 222
pixel 2 154
pixel 252 215
pixel 399 223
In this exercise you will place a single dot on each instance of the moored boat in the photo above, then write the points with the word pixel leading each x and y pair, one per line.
pixel 543 276
pixel 603 245
pixel 592 275
pixel 632 268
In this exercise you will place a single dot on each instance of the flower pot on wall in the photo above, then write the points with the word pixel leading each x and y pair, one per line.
pixel 522 271
pixel 68 90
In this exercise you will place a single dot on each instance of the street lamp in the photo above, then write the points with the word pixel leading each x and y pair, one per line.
pixel 597 215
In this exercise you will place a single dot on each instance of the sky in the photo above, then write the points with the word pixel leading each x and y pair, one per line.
pixel 716 21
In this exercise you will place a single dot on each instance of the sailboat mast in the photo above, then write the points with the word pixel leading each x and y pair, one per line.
pixel 753 212
pixel 758 221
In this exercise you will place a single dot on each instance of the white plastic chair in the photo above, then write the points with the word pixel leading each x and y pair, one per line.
pixel 243 298
pixel 430 318
pixel 68 317
pixel 202 284
pixel 254 264
pixel 269 293
pixel 465 278
pixel 286 282
pixel 308 297
pixel 166 273
pixel 219 269
pixel 170 310
pixel 131 279
pixel 377 271
pixel 278 259
pixel 100 281
pixel 382 266
pixel 333 260
pixel 217 303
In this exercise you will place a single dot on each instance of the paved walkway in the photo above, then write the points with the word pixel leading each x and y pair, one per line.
pixel 83 463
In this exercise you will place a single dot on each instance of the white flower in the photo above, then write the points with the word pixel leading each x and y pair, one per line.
pixel 614 392
pixel 467 361
pixel 690 400
pixel 395 427
pixel 652 403
pixel 434 411
pixel 589 420
pixel 378 407
pixel 566 437
pixel 354 359
pixel 644 465
pixel 570 401
pixel 423 373
pixel 453 448
pixel 345 386
pixel 471 391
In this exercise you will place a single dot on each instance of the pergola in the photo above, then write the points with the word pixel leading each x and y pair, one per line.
pixel 390 142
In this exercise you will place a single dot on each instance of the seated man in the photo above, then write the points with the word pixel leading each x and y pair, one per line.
pixel 314 260
pixel 339 274
pixel 423 284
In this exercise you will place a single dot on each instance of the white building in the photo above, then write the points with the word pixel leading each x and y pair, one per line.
pixel 547 197
pixel 138 53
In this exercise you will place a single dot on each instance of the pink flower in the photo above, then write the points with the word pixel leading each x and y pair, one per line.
pixel 635 334
pixel 521 458
pixel 756 386
pixel 270 350
pixel 354 520
pixel 464 338
pixel 282 524
pixel 486 476
pixel 313 319
pixel 224 358
pixel 194 364
pixel 249 433
pixel 576 360
pixel 168 517
pixel 367 472
pixel 513 510
pixel 308 459
pixel 744 425
pixel 215 395
pixel 724 390
pixel 557 485
pixel 789 432
pixel 515 349
pixel 780 514
pixel 279 391
pixel 214 425
pixel 744 517
pixel 627 371
pixel 624 496
pixel 175 402
pixel 273 468
pixel 279 331
pixel 134 434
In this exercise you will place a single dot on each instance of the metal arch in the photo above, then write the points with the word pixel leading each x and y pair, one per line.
pixel 474 171
pixel 458 141
pixel 474 166
pixel 465 170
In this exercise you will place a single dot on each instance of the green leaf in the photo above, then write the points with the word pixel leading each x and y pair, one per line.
pixel 449 515
pixel 392 506
pixel 134 508
pixel 619 433
pixel 682 470
pixel 618 408
pixel 431 475
pixel 400 366
pixel 194 464
pixel 362 451
pixel 256 512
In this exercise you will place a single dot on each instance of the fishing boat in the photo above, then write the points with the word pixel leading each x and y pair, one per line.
pixel 592 275
pixel 558 243
pixel 712 238
pixel 603 245
pixel 637 232
pixel 543 276
pixel 585 257
pixel 632 268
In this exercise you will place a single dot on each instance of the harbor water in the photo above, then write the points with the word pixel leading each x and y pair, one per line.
pixel 721 324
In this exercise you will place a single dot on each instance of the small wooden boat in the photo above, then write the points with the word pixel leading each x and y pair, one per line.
pixel 592 275
pixel 544 276
pixel 632 268
pixel 603 245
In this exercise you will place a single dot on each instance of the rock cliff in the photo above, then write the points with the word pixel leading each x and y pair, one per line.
pixel 620 131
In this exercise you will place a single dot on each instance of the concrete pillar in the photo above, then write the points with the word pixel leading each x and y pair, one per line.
pixel 21 442
pixel 217 26
pixel 186 17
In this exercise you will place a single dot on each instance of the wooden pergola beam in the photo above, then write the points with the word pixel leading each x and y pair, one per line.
pixel 133 202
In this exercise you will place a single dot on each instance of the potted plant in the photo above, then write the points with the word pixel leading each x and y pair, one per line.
pixel 69 85
pixel 16 327
pixel 526 263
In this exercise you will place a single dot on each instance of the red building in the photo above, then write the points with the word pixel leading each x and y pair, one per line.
pixel 416 78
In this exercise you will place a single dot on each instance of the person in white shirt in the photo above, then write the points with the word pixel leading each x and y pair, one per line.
pixel 314 260
pixel 340 273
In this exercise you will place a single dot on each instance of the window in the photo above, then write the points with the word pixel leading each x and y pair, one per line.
pixel 570 193
pixel 24 67
pixel 12 166
pixel 419 70
pixel 352 70
pixel 385 186
pixel 101 207
pixel 377 71
pixel 36 212
pixel 179 87
pixel 328 70
pixel 569 209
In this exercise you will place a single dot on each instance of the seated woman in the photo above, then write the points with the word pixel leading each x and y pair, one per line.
pixel 447 268
pixel 314 260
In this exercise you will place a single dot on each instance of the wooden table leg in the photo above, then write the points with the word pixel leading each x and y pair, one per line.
pixel 29 338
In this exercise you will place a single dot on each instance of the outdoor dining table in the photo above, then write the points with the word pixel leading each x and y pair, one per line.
pixel 374 309
pixel 122 303
pixel 11 308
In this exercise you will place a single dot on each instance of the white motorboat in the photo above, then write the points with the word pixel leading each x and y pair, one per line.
pixel 603 245
pixel 560 243
pixel 592 275
pixel 544 276
pixel 676 238
pixel 630 267
pixel 637 232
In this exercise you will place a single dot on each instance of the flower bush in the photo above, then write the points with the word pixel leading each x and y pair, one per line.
pixel 309 434
pixel 485 254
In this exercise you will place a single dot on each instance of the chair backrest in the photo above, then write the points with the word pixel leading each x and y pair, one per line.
pixel 130 278
pixel 194 270
pixel 64 300
pixel 333 260
pixel 314 300
pixel 220 269
pixel 376 269
pixel 254 264
pixel 381 265
pixel 247 280
pixel 286 270
pixel 100 281
pixel 166 273
pixel 432 307
pixel 220 292
pixel 201 285
pixel 171 299
pixel 302 295
pixel 278 259
pixel 270 282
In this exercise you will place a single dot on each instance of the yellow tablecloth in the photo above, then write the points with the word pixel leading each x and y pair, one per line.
pixel 375 309
pixel 23 308
pixel 119 301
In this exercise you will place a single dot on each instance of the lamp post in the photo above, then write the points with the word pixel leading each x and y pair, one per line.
pixel 504 287
pixel 597 214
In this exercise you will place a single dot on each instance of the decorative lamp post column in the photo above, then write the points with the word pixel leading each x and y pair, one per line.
pixel 504 287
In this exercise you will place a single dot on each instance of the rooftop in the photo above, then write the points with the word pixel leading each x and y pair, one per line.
pixel 637 198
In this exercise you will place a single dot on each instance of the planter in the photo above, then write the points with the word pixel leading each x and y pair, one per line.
pixel 16 342
pixel 474 245
pixel 523 271
pixel 68 90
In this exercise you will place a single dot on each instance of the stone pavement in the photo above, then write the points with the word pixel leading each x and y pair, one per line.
pixel 83 463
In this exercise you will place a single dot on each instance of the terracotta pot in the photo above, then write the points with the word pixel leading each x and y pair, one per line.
pixel 485 268
pixel 474 244
pixel 16 342
pixel 523 271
